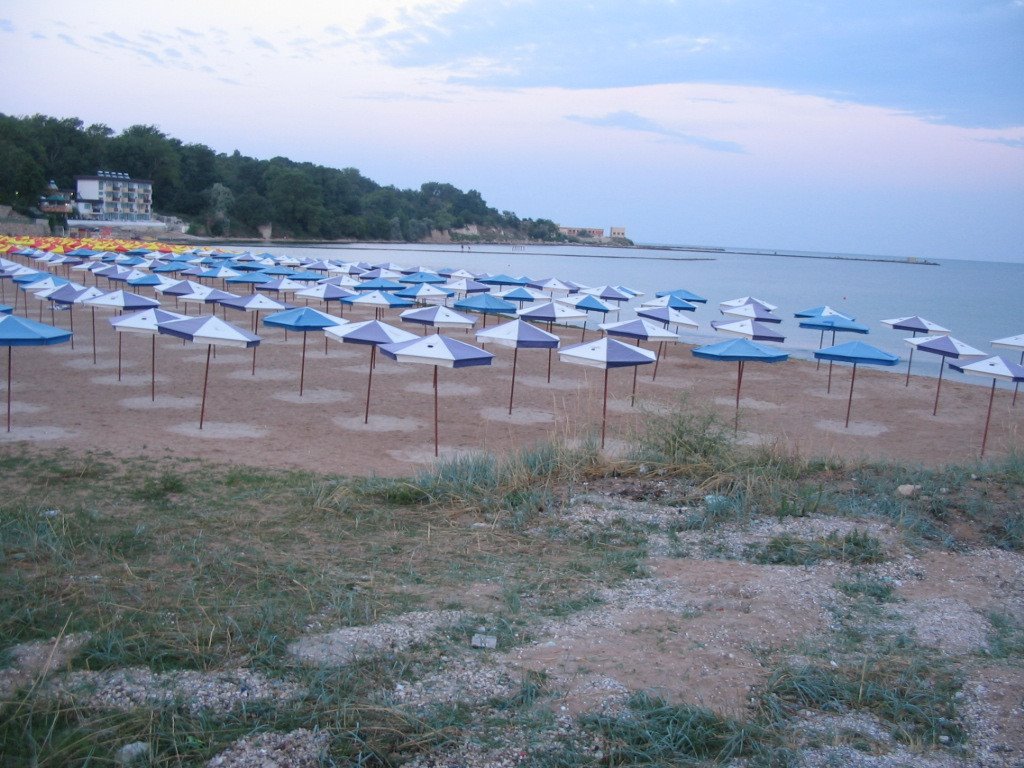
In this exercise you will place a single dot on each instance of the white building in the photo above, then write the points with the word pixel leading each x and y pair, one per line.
pixel 114 196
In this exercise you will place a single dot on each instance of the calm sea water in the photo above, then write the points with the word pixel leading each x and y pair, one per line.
pixel 978 300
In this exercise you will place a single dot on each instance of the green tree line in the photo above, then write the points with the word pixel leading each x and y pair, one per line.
pixel 234 195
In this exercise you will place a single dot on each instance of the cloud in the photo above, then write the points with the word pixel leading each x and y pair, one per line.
pixel 6 25
pixel 631 121
pixel 1007 142
pixel 261 42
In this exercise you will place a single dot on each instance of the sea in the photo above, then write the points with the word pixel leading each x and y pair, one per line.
pixel 977 300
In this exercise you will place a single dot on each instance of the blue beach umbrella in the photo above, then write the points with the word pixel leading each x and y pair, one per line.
pixel 303 319
pixel 422 277
pixel 947 347
pixel 503 279
pixel 823 310
pixel 120 300
pixel 670 301
pixel 551 312
pixel 519 334
pixel 373 333
pixel 439 351
pixel 145 321
pixel 606 353
pixel 999 369
pixel 752 312
pixel 666 316
pixel 685 295
pixel 486 304
pixel 256 303
pixel 379 300
pixel 856 352
pixel 588 304
pixel 379 284
pixel 212 331
pixel 326 292
pixel 18 331
pixel 741 352
pixel 835 322
pixel 424 293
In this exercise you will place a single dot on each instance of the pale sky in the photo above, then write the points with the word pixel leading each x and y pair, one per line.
pixel 875 126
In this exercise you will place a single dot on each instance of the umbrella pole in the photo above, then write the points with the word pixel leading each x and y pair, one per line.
pixel 1016 385
pixel 849 402
pixel 369 383
pixel 739 386
pixel 119 337
pixel 657 359
pixel 604 407
pixel 206 379
pixel 988 417
pixel 910 359
pixel 9 360
pixel 549 363
pixel 302 368
pixel 512 390
pixel 71 320
pixel 152 371
pixel 821 344
pixel 94 335
pixel 942 364
pixel 828 389
pixel 435 411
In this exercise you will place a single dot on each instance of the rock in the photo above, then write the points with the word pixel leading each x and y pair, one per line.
pixel 135 753
pixel 484 641
pixel 908 491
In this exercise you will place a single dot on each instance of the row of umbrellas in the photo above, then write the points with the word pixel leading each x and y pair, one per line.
pixel 605 353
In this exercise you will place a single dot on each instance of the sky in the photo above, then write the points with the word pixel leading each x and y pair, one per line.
pixel 873 127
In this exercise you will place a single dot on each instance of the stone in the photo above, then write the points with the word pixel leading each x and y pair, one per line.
pixel 135 753
pixel 484 641
pixel 908 491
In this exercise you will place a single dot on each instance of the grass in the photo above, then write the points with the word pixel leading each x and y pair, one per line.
pixel 188 564
pixel 854 547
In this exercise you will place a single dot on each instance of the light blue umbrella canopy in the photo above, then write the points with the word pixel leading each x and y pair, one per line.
pixel 607 353
pixel 670 301
pixel 685 295
pixel 209 330
pixel 834 322
pixel 486 304
pixel 439 351
pixel 424 292
pixel 18 331
pixel 519 334
pixel 503 279
pixel 422 277
pixel 858 353
pixel 739 351
pixel 373 333
pixel 5 310
pixel 823 310
pixel 379 284
pixel 303 319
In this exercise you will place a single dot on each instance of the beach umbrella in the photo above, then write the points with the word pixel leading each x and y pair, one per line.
pixel 518 334
pixel 379 284
pixel 821 311
pixel 551 312
pixel 439 351
pixel 666 316
pixel 280 285
pixel 379 300
pixel 256 303
pixel 326 292
pixel 18 331
pixel 303 319
pixel 670 301
pixel 835 322
pixel 522 294
pixel 436 317
pixel 752 312
pixel 588 304
pixel 145 321
pixel 421 277
pixel 70 295
pixel 373 333
pixel 748 329
pixel 641 330
pixel 856 352
pixel 741 352
pixel 552 286
pixel 608 293
pixel 5 310
pixel 120 300
pixel 179 288
pixel 212 331
pixel 682 293
pixel 606 353
pixel 1012 342
pixel 465 286
pixel 424 293
pixel 249 278
pixel 947 347
pixel 486 304
pixel 915 325
pixel 743 301
pixel 502 279
pixel 999 369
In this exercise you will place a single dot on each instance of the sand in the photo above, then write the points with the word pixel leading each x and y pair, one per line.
pixel 60 398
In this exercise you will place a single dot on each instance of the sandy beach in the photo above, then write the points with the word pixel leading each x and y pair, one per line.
pixel 60 398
